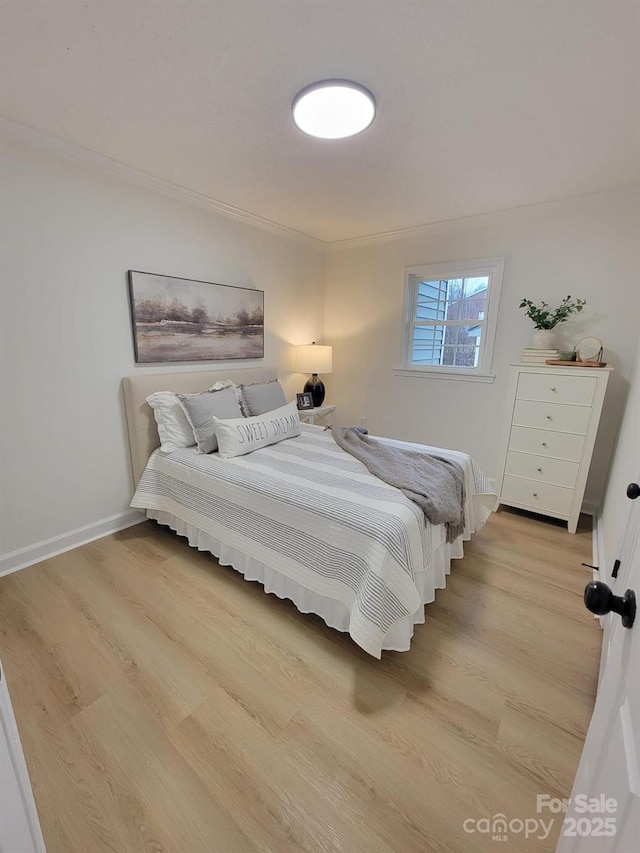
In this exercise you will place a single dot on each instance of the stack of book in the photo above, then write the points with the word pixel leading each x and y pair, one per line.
pixel 538 356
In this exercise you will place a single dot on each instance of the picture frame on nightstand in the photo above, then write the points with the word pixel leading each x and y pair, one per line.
pixel 304 401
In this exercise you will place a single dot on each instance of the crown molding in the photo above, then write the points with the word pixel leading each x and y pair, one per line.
pixel 480 220
pixel 71 151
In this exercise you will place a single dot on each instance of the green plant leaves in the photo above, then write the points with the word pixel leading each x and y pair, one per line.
pixel 544 318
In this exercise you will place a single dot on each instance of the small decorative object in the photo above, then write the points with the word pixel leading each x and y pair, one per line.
pixel 589 350
pixel 314 359
pixel 545 319
pixel 305 400
pixel 176 319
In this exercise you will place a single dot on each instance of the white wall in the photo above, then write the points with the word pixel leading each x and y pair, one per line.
pixel 68 235
pixel 625 469
pixel 587 247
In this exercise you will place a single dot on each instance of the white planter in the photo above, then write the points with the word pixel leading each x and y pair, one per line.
pixel 544 339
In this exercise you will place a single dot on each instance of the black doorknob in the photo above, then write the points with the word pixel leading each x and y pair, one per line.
pixel 600 600
pixel 633 491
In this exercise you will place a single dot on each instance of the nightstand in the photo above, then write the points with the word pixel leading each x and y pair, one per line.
pixel 325 413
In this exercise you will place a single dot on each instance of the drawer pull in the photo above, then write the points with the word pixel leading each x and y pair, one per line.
pixel 535 494
pixel 548 417
pixel 544 443
pixel 539 470
pixel 555 390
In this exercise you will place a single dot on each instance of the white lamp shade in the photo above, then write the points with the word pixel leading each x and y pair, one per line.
pixel 314 359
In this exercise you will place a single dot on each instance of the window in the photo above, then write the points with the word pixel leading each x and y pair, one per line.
pixel 451 315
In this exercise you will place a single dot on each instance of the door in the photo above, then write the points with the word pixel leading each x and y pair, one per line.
pixel 19 827
pixel 604 812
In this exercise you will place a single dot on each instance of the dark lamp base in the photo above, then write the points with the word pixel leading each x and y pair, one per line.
pixel 315 387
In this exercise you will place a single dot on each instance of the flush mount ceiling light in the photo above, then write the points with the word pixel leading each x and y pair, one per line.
pixel 334 109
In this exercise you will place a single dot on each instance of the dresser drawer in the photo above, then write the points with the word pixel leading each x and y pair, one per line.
pixel 552 416
pixel 543 442
pixel 540 497
pixel 573 390
pixel 558 472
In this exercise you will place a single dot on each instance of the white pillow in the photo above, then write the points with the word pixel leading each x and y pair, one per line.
pixel 237 436
pixel 173 427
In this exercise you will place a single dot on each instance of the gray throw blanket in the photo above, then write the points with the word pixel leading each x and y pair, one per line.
pixel 434 483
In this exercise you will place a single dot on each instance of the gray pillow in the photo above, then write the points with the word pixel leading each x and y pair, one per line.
pixel 200 409
pixel 263 397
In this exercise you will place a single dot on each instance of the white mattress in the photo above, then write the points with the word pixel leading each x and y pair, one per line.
pixel 311 524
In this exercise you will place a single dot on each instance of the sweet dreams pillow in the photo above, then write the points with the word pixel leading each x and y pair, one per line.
pixel 237 436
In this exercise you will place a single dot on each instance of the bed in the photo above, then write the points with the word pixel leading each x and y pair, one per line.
pixel 303 518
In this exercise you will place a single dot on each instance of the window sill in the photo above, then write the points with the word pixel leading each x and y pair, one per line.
pixel 442 373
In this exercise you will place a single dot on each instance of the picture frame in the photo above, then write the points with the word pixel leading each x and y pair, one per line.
pixel 181 319
pixel 304 401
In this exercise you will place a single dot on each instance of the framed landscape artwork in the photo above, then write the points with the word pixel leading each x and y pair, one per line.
pixel 176 319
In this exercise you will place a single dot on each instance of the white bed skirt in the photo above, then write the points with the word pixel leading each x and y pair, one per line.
pixel 334 613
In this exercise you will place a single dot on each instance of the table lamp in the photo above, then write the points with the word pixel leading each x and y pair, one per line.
pixel 314 359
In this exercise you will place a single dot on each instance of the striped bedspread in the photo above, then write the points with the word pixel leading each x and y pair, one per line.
pixel 312 512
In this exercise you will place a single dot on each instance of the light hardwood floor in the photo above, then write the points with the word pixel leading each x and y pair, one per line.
pixel 166 704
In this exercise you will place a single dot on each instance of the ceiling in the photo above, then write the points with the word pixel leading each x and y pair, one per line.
pixel 482 104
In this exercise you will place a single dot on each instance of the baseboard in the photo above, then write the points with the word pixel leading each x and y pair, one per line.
pixel 48 548
pixel 598 547
pixel 593 509
pixel 597 554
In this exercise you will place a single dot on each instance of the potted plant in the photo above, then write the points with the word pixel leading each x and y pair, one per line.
pixel 545 319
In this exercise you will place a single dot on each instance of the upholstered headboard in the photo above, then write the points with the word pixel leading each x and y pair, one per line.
pixel 143 434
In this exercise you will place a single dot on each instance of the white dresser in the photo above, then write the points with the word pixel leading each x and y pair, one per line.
pixel 553 418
